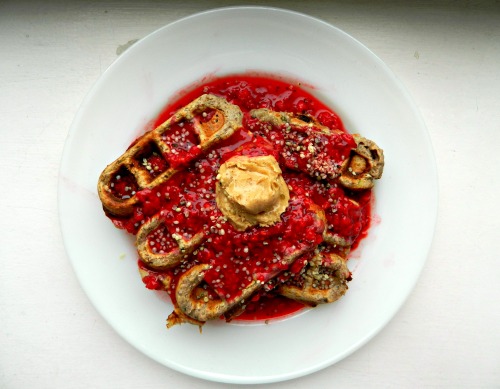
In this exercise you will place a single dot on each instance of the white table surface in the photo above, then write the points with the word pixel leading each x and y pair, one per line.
pixel 448 332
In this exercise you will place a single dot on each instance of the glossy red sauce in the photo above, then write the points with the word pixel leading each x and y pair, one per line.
pixel 187 200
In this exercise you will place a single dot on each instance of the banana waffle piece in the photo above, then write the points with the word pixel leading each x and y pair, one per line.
pixel 323 280
pixel 160 250
pixel 212 119
pixel 195 303
pixel 305 144
pixel 357 169
pixel 364 166
pixel 301 121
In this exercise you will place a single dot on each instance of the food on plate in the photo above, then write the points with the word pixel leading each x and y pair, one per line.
pixel 365 165
pixel 323 281
pixel 246 199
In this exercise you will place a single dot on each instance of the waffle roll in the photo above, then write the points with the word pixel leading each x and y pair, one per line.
pixel 323 280
pixel 172 247
pixel 133 165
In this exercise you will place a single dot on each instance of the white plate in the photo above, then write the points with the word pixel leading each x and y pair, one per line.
pixel 370 100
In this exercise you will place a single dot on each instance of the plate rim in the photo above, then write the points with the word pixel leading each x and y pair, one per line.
pixel 228 378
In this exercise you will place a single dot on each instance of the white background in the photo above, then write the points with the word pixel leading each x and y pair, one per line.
pixel 448 56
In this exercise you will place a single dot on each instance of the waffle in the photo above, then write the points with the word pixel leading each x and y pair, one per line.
pixel 305 142
pixel 172 247
pixel 299 122
pixel 195 303
pixel 364 166
pixel 323 280
pixel 133 164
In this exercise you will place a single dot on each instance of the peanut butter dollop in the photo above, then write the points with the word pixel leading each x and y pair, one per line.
pixel 251 191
